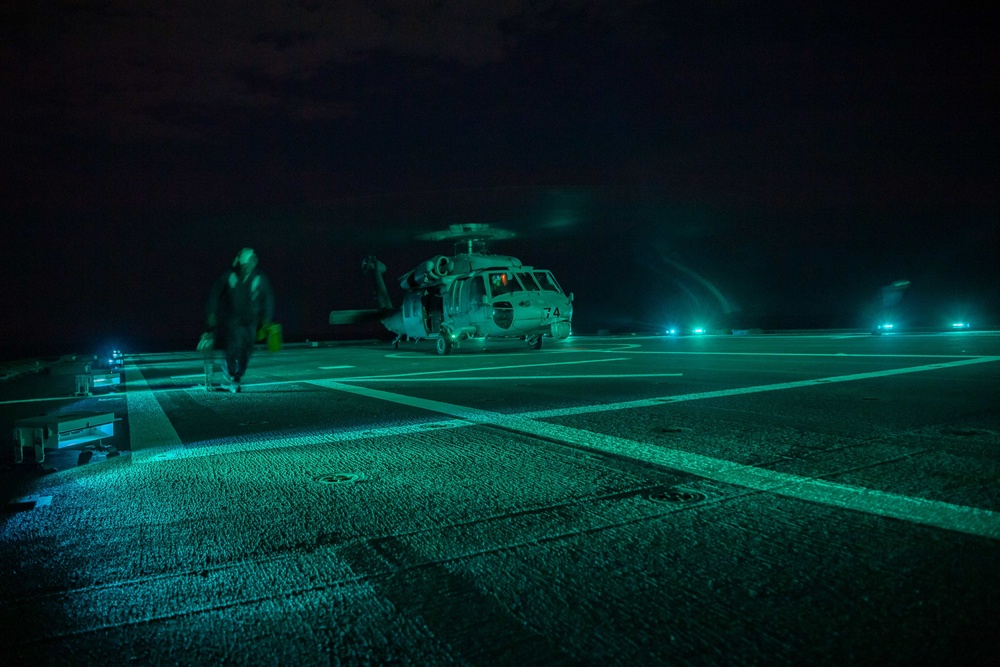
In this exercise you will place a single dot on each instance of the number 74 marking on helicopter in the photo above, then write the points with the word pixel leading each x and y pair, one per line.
pixel 470 294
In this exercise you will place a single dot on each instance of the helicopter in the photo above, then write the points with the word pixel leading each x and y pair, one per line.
pixel 468 295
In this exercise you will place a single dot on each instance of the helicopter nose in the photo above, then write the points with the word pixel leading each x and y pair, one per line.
pixel 560 330
pixel 558 308
pixel 542 312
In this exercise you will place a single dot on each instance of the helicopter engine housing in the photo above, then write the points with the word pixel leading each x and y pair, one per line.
pixel 427 272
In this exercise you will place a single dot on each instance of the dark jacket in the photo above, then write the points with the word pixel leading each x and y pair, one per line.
pixel 241 303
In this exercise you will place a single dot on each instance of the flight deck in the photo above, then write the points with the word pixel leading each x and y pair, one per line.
pixel 605 500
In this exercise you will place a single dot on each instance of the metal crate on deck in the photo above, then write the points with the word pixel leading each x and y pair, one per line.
pixel 60 432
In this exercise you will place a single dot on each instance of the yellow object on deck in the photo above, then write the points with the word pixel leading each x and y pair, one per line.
pixel 272 334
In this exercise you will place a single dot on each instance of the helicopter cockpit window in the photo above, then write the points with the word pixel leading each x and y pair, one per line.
pixel 528 281
pixel 547 281
pixel 503 283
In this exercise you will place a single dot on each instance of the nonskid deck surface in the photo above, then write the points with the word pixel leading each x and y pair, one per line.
pixel 605 500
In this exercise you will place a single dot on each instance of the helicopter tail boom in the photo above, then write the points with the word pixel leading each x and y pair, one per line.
pixel 356 316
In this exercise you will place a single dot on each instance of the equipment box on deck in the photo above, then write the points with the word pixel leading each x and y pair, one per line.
pixel 60 432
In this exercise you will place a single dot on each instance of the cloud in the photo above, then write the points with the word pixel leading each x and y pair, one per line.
pixel 140 68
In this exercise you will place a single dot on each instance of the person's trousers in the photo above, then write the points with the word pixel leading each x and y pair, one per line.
pixel 240 340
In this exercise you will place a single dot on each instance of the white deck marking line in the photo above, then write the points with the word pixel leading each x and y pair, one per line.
pixel 556 349
pixel 938 514
pixel 790 354
pixel 267 442
pixel 39 400
pixel 494 368
pixel 188 377
pixel 478 378
pixel 400 376
pixel 648 402
pixel 149 428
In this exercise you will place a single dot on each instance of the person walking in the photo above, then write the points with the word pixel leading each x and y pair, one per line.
pixel 241 302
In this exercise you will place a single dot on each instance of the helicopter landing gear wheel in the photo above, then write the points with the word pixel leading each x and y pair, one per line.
pixel 534 342
pixel 444 344
pixel 395 343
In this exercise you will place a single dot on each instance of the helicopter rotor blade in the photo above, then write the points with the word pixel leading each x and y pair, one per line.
pixel 469 231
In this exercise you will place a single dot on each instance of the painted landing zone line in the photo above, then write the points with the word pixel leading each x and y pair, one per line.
pixel 152 431
pixel 649 402
pixel 269 442
pixel 42 400
pixel 970 520
pixel 149 428
pixel 153 437
pixel 493 368
pixel 501 378
pixel 630 348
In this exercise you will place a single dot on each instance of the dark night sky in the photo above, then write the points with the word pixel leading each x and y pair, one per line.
pixel 754 164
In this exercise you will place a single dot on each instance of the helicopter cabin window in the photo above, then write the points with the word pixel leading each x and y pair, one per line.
pixel 476 291
pixel 503 282
pixel 547 281
pixel 529 282
pixel 455 294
